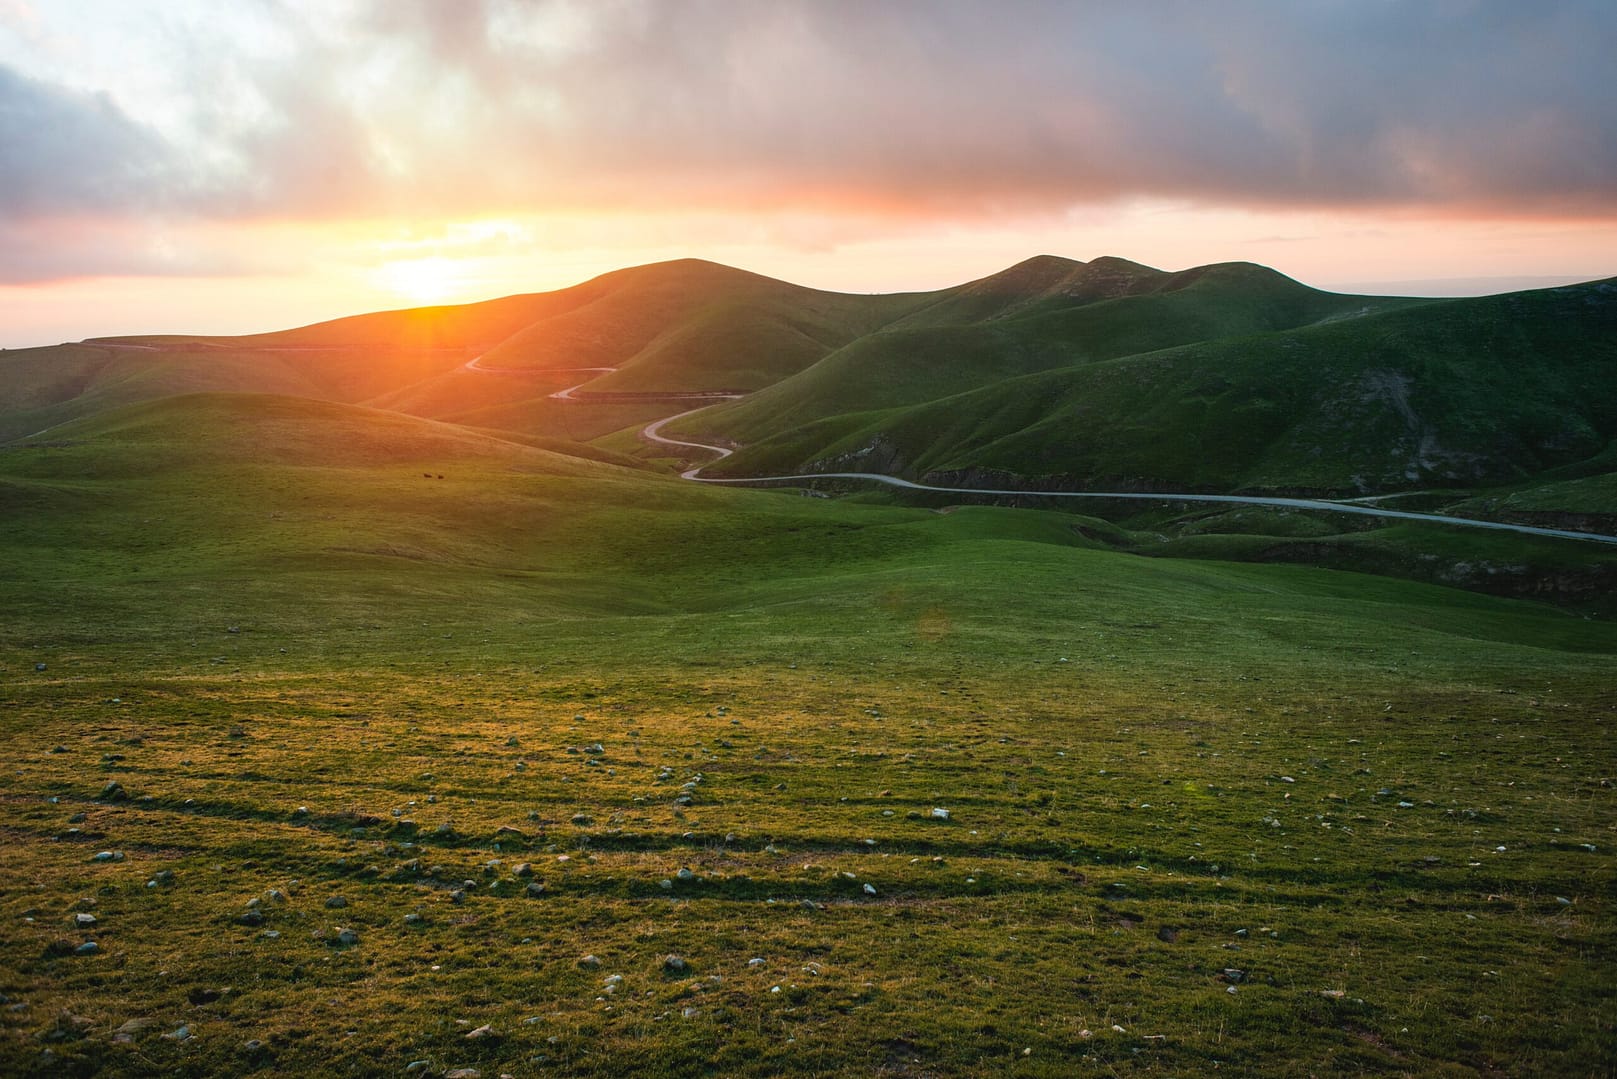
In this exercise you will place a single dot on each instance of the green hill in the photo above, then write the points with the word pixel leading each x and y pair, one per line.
pixel 1452 393
pixel 1041 315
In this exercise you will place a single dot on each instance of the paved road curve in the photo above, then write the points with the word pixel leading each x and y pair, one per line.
pixel 653 433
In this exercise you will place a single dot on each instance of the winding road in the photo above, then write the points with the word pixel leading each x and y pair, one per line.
pixel 652 433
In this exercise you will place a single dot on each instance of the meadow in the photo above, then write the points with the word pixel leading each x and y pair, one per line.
pixel 376 745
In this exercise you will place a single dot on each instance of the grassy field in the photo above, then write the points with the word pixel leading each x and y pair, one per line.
pixel 527 725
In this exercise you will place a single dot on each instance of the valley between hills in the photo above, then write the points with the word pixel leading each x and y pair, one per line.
pixel 1219 676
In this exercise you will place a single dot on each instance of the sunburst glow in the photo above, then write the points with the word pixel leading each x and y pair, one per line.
pixel 423 280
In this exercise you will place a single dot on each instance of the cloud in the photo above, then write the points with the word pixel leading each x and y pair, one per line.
pixel 67 150
pixel 941 110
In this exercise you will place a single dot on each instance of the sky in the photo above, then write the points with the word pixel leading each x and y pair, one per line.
pixel 211 166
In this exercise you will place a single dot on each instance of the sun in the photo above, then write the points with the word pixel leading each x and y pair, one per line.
pixel 423 280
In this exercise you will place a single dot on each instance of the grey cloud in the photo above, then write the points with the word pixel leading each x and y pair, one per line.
pixel 971 107
pixel 929 107
pixel 62 150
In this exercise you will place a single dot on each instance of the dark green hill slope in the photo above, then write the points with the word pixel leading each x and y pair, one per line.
pixel 1071 313
pixel 1462 392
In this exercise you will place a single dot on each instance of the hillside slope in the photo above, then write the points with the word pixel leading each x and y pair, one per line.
pixel 1040 315
pixel 1460 392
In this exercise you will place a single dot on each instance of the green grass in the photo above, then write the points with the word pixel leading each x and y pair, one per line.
pixel 1155 769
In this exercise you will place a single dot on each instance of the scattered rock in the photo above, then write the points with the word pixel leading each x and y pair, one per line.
pixel 39 666
pixel 67 1027
pixel 112 792
pixel 755 962
pixel 673 964
pixel 182 1034
pixel 535 889
pixel 89 947
pixel 939 813
pixel 336 902
pixel 200 996
pixel 252 917
pixel 84 921
pixel 347 938
pixel 582 819
pixel 481 1033
pixel 685 875
pixel 522 869
pixel 130 1030
pixel 458 895
pixel 1168 934
pixel 463 1073
pixel 1233 975
pixel 589 962
pixel 870 889
pixel 412 919
pixel 252 1046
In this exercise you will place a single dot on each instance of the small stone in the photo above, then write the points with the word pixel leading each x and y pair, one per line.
pixel 685 874
pixel 589 961
pixel 1241 933
pixel 336 902
pixel 112 792
pixel 1234 975
pixel 458 895
pixel 755 962
pixel 89 947
pixel 252 917
pixel 412 919
pixel 673 964
pixel 665 884
pixel 417 1066
pixel 582 819
pixel 522 869
pixel 182 1034
pixel 463 1073
pixel 535 889
pixel 201 996
pixel 252 1046
pixel 39 666
pixel 939 813
pixel 1231 990
pixel 481 1033
pixel 84 921
pixel 347 937
pixel 870 889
